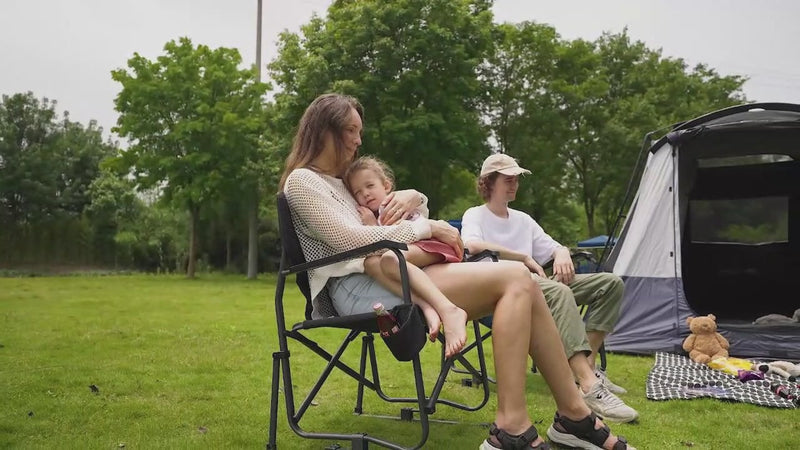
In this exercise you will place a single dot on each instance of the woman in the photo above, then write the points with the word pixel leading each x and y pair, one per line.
pixel 327 221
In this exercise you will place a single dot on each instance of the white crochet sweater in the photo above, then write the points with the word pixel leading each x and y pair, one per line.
pixel 327 222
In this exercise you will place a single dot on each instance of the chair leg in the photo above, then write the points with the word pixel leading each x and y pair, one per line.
pixel 359 409
pixel 273 406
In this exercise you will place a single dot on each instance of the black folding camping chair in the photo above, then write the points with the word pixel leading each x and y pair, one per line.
pixel 423 404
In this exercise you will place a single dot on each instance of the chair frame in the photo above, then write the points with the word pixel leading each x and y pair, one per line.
pixel 293 263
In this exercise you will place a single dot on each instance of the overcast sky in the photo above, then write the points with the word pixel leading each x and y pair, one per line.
pixel 65 49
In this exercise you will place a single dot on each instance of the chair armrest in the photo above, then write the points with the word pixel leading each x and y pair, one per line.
pixel 349 254
pixel 495 255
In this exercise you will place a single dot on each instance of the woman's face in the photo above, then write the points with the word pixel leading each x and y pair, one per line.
pixel 350 140
pixel 351 135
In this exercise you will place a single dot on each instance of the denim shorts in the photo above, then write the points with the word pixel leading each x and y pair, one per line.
pixel 356 293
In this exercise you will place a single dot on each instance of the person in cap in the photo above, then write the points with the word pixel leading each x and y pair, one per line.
pixel 516 236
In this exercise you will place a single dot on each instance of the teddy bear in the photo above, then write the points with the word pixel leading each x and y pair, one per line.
pixel 704 344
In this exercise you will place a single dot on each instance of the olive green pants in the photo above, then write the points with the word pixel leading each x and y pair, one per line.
pixel 602 292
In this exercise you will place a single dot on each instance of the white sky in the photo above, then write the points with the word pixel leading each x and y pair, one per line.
pixel 65 49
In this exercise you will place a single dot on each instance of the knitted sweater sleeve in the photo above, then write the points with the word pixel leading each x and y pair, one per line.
pixel 326 213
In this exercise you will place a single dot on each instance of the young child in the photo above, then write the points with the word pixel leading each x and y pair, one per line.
pixel 370 181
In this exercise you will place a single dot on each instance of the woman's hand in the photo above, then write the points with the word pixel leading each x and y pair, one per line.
pixel 367 216
pixel 398 205
pixel 563 268
pixel 533 266
pixel 446 233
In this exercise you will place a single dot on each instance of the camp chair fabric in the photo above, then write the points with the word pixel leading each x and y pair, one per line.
pixel 293 263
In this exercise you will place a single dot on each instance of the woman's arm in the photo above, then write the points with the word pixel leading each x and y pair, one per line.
pixel 327 213
pixel 400 204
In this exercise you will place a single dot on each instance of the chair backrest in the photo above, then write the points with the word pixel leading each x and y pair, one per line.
pixel 292 253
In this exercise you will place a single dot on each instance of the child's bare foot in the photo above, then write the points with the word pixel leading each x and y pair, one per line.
pixel 454 320
pixel 434 323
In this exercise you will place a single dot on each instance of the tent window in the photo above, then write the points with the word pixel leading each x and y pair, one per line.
pixel 745 221
pixel 745 160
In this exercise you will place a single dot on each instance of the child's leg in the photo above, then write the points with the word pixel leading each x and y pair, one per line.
pixel 420 258
pixel 453 318
pixel 372 267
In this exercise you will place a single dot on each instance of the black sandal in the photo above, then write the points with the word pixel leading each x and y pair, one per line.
pixel 582 434
pixel 513 441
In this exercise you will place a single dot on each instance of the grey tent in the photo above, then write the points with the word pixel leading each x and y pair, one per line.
pixel 715 228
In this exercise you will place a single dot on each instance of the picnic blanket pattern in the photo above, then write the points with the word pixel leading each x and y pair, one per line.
pixel 678 377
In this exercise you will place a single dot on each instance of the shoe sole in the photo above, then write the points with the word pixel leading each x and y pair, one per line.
pixel 569 440
pixel 616 419
pixel 487 446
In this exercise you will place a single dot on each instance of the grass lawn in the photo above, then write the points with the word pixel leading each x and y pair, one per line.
pixel 163 362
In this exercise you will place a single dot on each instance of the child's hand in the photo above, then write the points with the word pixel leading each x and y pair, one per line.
pixel 367 216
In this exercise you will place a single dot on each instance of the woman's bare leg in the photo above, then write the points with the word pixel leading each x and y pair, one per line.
pixel 372 267
pixel 505 289
pixel 518 307
pixel 453 318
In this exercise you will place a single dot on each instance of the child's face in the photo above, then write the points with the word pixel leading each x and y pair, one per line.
pixel 369 189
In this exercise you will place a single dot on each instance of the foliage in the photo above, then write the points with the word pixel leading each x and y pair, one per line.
pixel 524 121
pixel 610 93
pixel 194 119
pixel 575 113
pixel 46 163
pixel 412 64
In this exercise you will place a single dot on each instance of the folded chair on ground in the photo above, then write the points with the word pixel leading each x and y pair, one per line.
pixel 422 403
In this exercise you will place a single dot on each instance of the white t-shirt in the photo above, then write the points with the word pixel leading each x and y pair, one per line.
pixel 517 232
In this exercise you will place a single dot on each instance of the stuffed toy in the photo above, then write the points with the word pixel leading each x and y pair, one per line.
pixel 785 369
pixel 704 344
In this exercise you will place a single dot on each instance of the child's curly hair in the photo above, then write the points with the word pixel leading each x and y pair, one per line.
pixel 485 184
pixel 369 163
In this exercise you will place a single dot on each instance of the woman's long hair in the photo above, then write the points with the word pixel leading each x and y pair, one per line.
pixel 327 113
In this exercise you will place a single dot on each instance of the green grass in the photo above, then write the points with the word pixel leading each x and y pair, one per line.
pixel 187 364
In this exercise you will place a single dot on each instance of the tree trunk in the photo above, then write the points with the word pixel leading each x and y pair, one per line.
pixel 228 239
pixel 190 267
pixel 252 240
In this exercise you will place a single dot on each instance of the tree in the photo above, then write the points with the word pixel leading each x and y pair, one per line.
pixel 413 65
pixel 46 163
pixel 194 119
pixel 610 98
pixel 524 122
pixel 575 113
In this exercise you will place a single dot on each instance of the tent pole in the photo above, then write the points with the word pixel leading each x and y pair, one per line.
pixel 628 190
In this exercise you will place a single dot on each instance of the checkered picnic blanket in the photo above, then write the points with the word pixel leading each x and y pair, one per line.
pixel 678 377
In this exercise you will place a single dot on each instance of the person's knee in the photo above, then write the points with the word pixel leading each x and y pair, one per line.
pixel 561 293
pixel 615 282
pixel 390 265
pixel 524 287
pixel 612 285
